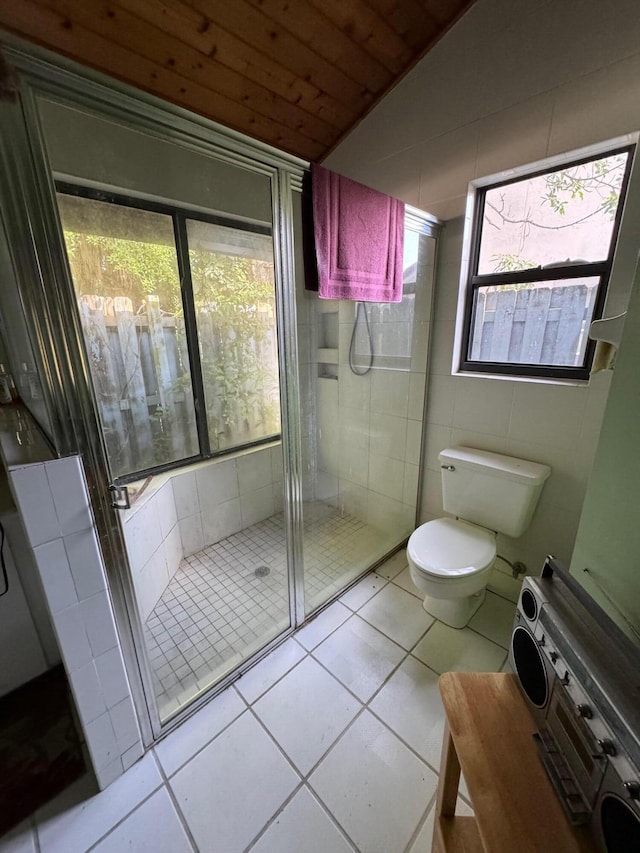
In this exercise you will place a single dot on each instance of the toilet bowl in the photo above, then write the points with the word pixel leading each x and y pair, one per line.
pixel 449 563
pixel 450 559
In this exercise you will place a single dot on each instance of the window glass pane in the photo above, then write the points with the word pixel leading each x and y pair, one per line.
pixel 543 323
pixel 125 274
pixel 234 294
pixel 563 215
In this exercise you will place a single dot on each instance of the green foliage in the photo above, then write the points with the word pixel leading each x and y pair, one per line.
pixel 235 307
pixel 602 178
pixel 507 262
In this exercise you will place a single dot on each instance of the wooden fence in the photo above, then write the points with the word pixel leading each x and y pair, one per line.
pixel 140 368
pixel 538 325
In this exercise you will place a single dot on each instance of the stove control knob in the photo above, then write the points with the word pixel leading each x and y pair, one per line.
pixel 632 789
pixel 607 747
pixel 542 641
pixel 584 711
pixel 565 678
pixel 554 656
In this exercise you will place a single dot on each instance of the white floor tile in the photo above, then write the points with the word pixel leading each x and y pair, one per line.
pixel 397 614
pixel 422 844
pixel 154 827
pixel 195 733
pixel 446 649
pixel 78 817
pixel 264 675
pixel 323 624
pixel 303 825
pixel 393 566
pixel 359 656
pixel 21 839
pixel 404 581
pixel 306 711
pixel 229 791
pixel 374 786
pixel 363 591
pixel 494 620
pixel 410 704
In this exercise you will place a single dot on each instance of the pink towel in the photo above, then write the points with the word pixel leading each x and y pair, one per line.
pixel 359 239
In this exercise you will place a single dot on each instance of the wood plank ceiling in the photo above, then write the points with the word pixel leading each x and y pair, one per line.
pixel 298 74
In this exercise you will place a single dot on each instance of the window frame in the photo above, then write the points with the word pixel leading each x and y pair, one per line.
pixel 473 281
pixel 179 216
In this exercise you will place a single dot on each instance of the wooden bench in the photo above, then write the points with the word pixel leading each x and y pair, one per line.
pixel 489 737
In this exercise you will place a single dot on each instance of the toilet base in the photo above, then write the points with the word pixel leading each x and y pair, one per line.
pixel 455 612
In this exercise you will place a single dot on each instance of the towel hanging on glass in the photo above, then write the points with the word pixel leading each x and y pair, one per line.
pixel 359 239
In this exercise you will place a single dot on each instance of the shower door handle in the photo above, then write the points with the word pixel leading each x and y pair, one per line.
pixel 121 495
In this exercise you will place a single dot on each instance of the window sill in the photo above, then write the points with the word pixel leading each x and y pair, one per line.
pixel 536 380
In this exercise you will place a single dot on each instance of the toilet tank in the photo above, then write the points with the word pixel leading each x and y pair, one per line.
pixel 489 489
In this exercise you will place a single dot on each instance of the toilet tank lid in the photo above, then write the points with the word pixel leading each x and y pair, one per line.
pixel 529 473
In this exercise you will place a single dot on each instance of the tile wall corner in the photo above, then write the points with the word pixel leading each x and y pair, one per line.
pixel 53 501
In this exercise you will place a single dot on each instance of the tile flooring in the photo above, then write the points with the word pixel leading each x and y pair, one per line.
pixel 216 612
pixel 328 745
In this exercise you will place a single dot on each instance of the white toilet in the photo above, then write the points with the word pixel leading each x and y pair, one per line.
pixel 450 559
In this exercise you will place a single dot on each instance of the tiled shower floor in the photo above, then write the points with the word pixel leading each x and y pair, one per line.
pixel 216 611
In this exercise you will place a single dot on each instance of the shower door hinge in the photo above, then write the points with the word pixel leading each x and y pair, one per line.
pixel 121 495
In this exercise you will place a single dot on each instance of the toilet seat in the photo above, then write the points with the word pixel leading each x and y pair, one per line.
pixel 448 548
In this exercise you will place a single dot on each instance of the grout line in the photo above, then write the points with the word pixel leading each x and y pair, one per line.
pixel 125 817
pixel 176 805
pixel 202 748
pixel 273 817
pixel 366 704
pixel 422 821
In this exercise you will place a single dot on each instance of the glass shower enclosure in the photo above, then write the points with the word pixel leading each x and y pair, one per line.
pixel 252 450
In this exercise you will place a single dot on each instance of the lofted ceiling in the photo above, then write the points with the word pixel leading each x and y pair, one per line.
pixel 298 74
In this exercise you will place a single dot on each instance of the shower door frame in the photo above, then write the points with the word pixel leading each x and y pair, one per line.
pixel 46 290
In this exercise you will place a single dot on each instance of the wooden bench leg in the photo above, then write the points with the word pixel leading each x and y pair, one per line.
pixel 448 784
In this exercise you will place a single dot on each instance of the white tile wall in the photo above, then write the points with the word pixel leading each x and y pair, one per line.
pixel 54 504
pixel 466 111
pixel 195 508
pixel 553 424
pixel 368 429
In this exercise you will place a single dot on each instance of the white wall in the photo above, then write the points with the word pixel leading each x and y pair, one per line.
pixel 608 540
pixel 513 82
pixel 82 145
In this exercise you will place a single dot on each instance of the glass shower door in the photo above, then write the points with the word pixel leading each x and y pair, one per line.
pixel 178 311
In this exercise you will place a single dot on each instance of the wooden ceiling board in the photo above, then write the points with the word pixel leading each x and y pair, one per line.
pixel 327 39
pixel 193 28
pixel 297 74
pixel 368 29
pixel 116 24
pixel 276 41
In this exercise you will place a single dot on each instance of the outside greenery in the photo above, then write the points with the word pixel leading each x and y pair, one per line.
pixel 235 306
